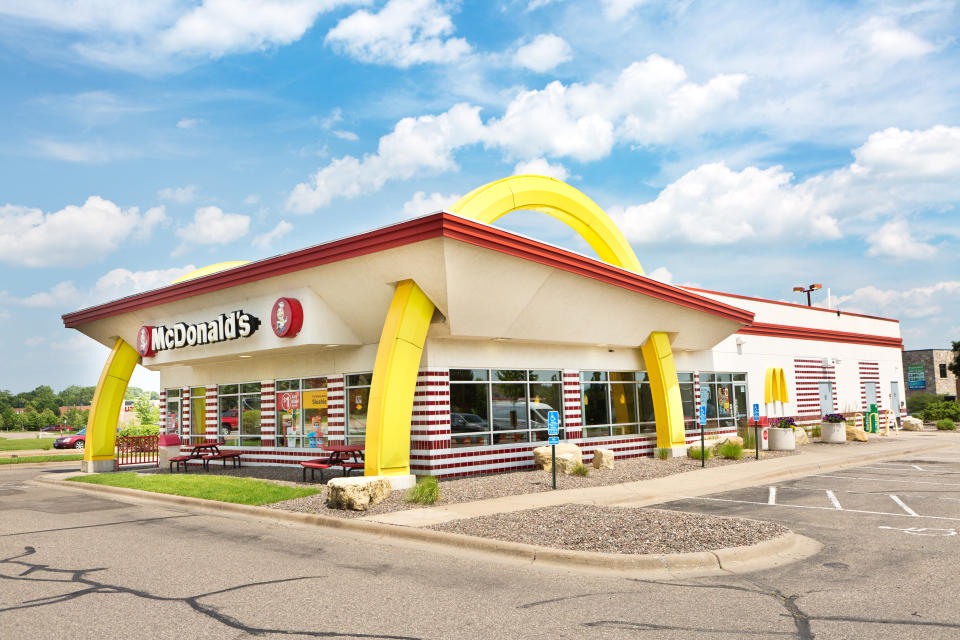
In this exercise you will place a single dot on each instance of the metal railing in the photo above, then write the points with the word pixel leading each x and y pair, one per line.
pixel 138 450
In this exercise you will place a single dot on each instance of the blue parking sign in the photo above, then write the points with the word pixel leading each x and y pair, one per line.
pixel 553 424
pixel 703 414
pixel 553 440
pixel 756 413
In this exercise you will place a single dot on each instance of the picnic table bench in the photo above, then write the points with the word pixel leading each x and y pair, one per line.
pixel 346 456
pixel 200 452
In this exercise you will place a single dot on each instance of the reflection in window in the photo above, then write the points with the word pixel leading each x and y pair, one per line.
pixel 725 397
pixel 239 414
pixel 301 412
pixel 358 399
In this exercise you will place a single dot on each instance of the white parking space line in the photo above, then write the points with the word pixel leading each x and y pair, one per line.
pixel 772 498
pixel 935 472
pixel 917 467
pixel 833 499
pixel 901 480
pixel 804 506
pixel 903 506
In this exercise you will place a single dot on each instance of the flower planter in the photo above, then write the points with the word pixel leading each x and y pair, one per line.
pixel 782 439
pixel 834 432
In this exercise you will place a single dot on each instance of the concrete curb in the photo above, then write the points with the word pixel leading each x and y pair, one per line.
pixel 781 550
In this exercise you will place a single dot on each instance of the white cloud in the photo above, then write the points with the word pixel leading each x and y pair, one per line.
pixel 920 302
pixel 402 34
pixel 543 54
pixel 345 135
pixel 422 203
pixel 116 283
pixel 264 240
pixel 650 102
pixel 34 341
pixel 414 145
pixel 895 172
pixel 883 37
pixel 540 167
pixel 144 36
pixel 182 195
pixel 253 198
pixel 189 123
pixel 893 241
pixel 81 153
pixel 618 9
pixel 211 225
pixel 71 236
pixel 662 274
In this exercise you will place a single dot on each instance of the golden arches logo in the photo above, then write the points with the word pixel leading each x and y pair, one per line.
pixel 775 386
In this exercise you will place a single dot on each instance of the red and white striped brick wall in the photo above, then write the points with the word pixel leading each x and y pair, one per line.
pixel 212 426
pixel 268 413
pixel 185 418
pixel 430 421
pixel 870 372
pixel 809 373
pixel 336 416
pixel 162 421
pixel 572 411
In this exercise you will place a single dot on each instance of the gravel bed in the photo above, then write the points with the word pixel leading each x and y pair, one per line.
pixel 520 482
pixel 580 527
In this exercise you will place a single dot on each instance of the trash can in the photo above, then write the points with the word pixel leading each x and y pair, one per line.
pixel 168 446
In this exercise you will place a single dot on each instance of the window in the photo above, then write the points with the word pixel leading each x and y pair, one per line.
pixel 725 397
pixel 943 370
pixel 198 415
pixel 301 412
pixel 239 415
pixel 358 397
pixel 173 416
pixel 616 403
pixel 502 406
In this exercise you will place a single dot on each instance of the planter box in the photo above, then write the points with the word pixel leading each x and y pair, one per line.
pixel 834 432
pixel 782 439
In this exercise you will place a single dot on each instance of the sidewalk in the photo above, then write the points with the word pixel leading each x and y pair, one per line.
pixel 815 458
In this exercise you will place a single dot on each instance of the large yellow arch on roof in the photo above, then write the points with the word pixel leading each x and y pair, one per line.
pixel 404 333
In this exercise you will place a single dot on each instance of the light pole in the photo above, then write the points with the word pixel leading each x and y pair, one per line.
pixel 807 291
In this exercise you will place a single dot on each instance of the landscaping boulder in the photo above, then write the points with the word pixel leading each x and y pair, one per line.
pixel 801 436
pixel 602 459
pixel 910 423
pixel 566 462
pixel 856 434
pixel 357 493
pixel 731 439
pixel 541 455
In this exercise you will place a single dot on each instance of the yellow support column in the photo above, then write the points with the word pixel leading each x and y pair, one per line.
pixel 99 448
pixel 390 406
pixel 665 389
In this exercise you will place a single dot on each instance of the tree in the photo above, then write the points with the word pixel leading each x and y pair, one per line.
pixel 48 418
pixel 75 396
pixel 954 367
pixel 147 413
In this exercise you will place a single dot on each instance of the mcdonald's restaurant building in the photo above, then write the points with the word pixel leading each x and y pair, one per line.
pixel 442 342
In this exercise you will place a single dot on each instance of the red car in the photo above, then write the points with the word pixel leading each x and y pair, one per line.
pixel 75 441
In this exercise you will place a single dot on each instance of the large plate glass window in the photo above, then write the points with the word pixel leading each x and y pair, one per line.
pixel 198 415
pixel 172 415
pixel 725 397
pixel 358 400
pixel 615 403
pixel 301 412
pixel 239 414
pixel 502 406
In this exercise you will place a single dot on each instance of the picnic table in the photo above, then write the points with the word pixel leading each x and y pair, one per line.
pixel 205 452
pixel 346 456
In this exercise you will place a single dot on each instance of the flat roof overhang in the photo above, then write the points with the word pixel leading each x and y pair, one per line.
pixel 486 283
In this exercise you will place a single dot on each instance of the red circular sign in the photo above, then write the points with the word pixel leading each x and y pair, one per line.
pixel 145 342
pixel 286 317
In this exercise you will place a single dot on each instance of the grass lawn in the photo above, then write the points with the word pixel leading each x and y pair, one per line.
pixel 220 488
pixel 9 444
pixel 22 459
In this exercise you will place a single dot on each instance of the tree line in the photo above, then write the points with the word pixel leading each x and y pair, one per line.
pixel 43 407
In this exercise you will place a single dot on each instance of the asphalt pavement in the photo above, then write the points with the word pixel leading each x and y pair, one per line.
pixel 74 565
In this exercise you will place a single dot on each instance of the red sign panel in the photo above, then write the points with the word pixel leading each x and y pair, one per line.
pixel 288 401
pixel 286 317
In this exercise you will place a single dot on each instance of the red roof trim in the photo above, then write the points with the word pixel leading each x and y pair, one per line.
pixel 790 304
pixel 825 335
pixel 425 228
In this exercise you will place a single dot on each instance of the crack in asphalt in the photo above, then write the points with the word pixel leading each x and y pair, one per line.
pixel 87 586
pixel 94 526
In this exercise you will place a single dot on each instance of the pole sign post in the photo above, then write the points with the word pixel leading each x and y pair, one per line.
pixel 756 428
pixel 703 423
pixel 553 433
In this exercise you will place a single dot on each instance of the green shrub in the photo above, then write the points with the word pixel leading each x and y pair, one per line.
pixel 730 451
pixel 663 453
pixel 917 402
pixel 581 470
pixel 815 431
pixel 941 410
pixel 140 430
pixel 426 491
pixel 698 454
pixel 946 425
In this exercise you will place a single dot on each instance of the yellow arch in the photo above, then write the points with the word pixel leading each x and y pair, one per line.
pixel 775 386
pixel 408 319
pixel 210 268
pixel 105 408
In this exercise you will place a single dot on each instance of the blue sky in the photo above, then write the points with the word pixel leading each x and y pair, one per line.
pixel 746 147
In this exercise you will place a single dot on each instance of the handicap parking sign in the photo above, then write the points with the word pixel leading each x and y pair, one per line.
pixel 553 424
pixel 553 440
pixel 703 414
pixel 756 413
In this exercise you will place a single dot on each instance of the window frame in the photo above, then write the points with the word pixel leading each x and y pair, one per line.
pixel 240 437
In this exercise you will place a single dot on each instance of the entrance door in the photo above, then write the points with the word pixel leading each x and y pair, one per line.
pixel 871 391
pixel 826 397
pixel 895 398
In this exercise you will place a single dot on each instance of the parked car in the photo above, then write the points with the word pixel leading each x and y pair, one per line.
pixel 76 441
pixel 228 422
pixel 465 422
pixel 56 427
